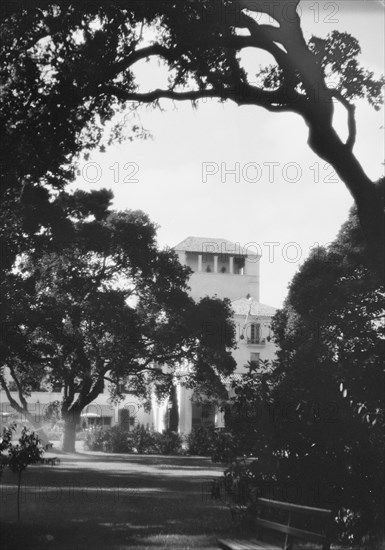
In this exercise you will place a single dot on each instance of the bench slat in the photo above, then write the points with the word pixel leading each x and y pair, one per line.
pixel 243 544
pixel 295 507
pixel 294 531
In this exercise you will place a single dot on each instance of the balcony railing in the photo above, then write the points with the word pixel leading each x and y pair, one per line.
pixel 258 341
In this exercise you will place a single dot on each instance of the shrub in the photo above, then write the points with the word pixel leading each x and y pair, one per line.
pixel 109 440
pixel 140 440
pixel 169 443
pixel 120 441
pixel 224 447
pixel 96 439
pixel 27 451
pixel 239 488
pixel 200 440
pixel 144 440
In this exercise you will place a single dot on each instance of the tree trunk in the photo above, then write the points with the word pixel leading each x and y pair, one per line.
pixel 174 411
pixel 71 420
pixel 367 195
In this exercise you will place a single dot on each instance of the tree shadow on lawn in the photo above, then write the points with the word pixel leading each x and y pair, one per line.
pixel 188 461
pixel 125 503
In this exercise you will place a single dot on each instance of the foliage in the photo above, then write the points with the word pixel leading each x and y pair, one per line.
pixel 75 63
pixel 144 440
pixel 27 451
pixel 251 413
pixel 240 487
pixel 140 440
pixel 110 440
pixel 67 69
pixel 5 443
pixel 331 336
pixel 52 412
pixel 314 423
pixel 220 445
pixel 169 443
pixel 109 305
pixel 224 447
pixel 96 439
pixel 200 440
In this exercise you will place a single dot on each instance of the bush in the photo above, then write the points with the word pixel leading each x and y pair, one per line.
pixel 27 451
pixel 94 439
pixel 200 441
pixel 140 440
pixel 109 440
pixel 144 440
pixel 169 443
pixel 120 441
pixel 220 445
pixel 224 447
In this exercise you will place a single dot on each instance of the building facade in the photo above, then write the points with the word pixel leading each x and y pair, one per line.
pixel 222 268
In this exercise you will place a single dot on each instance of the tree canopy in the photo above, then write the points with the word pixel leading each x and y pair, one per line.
pixel 313 419
pixel 68 67
pixel 329 378
pixel 107 305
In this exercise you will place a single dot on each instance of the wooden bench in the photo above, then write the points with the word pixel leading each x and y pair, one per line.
pixel 288 529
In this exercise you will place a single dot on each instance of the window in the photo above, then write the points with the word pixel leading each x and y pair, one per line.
pixel 254 336
pixel 254 357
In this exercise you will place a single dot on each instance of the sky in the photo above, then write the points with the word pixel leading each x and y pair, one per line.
pixel 282 199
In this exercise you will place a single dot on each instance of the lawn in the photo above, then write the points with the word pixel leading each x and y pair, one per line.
pixel 99 501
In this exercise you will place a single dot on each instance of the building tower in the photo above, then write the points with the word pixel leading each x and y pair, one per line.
pixel 225 269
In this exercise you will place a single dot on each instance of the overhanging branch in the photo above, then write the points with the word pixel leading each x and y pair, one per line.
pixel 242 94
pixel 138 55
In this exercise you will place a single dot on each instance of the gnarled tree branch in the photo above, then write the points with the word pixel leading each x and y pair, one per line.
pixel 242 94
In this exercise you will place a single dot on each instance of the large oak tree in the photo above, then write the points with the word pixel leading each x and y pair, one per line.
pixel 69 66
pixel 108 305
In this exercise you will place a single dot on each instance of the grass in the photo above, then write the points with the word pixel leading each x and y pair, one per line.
pixel 105 501
pixel 100 501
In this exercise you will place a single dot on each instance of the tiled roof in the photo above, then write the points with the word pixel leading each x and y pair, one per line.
pixel 242 306
pixel 209 244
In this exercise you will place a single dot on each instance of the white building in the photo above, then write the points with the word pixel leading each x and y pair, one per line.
pixel 224 269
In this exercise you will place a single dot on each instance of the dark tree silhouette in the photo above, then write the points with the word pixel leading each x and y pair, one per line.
pixel 107 305
pixel 330 374
pixel 89 51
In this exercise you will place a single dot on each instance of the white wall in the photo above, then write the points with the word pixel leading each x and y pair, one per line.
pixel 224 285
